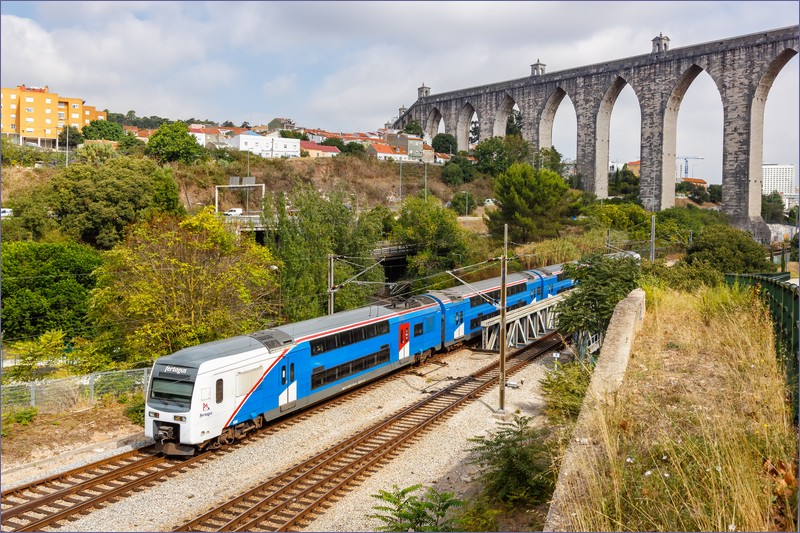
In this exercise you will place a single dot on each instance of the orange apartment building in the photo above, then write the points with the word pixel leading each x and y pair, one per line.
pixel 37 116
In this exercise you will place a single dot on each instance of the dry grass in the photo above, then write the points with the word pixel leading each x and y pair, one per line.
pixel 701 437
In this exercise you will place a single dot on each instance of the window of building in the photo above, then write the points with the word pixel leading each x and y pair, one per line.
pixel 29 110
pixel 86 112
pixel 75 115
pixel 62 104
pixel 47 132
pixel 61 114
pixel 29 130
pixel 86 121
pixel 13 106
pixel 13 126
pixel 13 116
pixel 28 99
pixel 74 106
pixel 48 111
pixel 47 101
pixel 28 119
pixel 13 96
pixel 47 121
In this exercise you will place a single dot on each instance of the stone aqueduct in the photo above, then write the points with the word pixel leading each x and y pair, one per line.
pixel 743 69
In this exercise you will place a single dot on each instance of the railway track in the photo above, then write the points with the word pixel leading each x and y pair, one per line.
pixel 291 498
pixel 51 501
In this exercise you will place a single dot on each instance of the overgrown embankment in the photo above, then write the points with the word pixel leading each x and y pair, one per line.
pixel 700 437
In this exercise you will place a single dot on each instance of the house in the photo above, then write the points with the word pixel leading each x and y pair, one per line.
pixel 252 142
pixel 427 153
pixel 412 145
pixel 318 150
pixel 440 158
pixel 384 152
pixel 635 167
pixel 696 181
pixel 277 124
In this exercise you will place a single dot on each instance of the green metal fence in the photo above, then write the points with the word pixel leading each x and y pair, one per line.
pixel 782 299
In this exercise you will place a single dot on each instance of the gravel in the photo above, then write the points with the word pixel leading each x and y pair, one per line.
pixel 439 459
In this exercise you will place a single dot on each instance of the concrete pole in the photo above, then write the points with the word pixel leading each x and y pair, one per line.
pixel 330 284
pixel 502 377
pixel 653 238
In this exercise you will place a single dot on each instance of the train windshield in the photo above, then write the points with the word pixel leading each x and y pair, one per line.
pixel 170 389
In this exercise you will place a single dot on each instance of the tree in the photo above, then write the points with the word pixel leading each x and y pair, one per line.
pixel 601 282
pixel 474 132
pixel 729 250
pixel 46 287
pixel 96 204
pixel 319 226
pixel 772 208
pixel 228 124
pixel 173 142
pixel 496 154
pixel 75 137
pixel 549 158
pixel 452 174
pixel 103 129
pixel 715 193
pixel 289 134
pixel 626 217
pixel 514 123
pixel 334 141
pixel 433 231
pixel 532 203
pixel 462 203
pixel 444 143
pixel 179 282
pixel 413 128
pixel 245 124
pixel 96 154
pixel 355 149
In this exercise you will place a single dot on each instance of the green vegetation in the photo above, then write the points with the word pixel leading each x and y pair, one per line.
pixel 515 463
pixel 730 250
pixel 135 409
pixel 532 203
pixel 176 283
pixel 496 154
pixel 46 287
pixel 413 128
pixel 564 388
pixel 103 129
pixel 444 143
pixel 173 142
pixel 403 510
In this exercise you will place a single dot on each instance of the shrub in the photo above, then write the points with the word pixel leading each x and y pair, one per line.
pixel 408 512
pixel 516 463
pixel 135 409
pixel 564 388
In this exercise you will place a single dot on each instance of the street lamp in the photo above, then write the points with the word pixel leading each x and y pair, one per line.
pixel 275 268
pixel 466 204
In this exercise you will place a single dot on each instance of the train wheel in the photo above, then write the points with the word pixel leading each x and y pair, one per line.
pixel 259 421
pixel 227 436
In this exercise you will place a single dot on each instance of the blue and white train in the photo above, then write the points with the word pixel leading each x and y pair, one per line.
pixel 209 395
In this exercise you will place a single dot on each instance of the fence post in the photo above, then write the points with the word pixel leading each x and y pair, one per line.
pixel 144 381
pixel 91 388
pixel 33 395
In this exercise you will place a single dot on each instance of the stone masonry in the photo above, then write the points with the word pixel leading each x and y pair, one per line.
pixel 743 68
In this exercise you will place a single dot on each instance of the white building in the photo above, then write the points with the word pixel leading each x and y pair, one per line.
pixel 252 142
pixel 779 178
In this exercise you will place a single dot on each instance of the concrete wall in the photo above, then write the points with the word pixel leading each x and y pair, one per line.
pixel 607 377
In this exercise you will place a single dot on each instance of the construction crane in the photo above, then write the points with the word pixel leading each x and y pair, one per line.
pixel 686 159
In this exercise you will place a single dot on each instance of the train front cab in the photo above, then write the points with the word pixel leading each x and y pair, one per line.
pixel 168 407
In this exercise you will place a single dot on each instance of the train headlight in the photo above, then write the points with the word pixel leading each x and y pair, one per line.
pixel 179 418
pixel 153 414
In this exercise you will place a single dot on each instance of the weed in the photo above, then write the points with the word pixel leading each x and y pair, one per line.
pixel 478 514
pixel 135 409
pixel 564 388
pixel 405 511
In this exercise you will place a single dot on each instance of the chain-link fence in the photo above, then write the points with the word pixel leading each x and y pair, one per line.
pixel 66 394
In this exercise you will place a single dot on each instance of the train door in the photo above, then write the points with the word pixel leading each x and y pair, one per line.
pixel 403 345
pixel 287 370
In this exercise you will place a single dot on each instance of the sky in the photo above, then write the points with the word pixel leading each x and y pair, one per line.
pixel 349 66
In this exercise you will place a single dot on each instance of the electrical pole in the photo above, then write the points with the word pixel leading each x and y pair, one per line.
pixel 426 182
pixel 503 322
pixel 67 151
pixel 653 239
pixel 330 284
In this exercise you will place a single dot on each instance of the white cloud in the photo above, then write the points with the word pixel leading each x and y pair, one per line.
pixel 280 85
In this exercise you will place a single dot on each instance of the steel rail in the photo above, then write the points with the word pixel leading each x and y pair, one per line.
pixel 279 503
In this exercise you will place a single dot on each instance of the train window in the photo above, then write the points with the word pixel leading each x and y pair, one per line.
pixel 358 334
pixel 320 376
pixel 219 391
pixel 283 375
pixel 331 342
pixel 291 372
pixel 345 338
pixel 317 346
pixel 429 323
pixel 382 328
pixel 418 329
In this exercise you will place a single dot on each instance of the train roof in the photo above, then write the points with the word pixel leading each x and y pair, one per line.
pixel 549 270
pixel 364 315
pixel 465 291
pixel 193 356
